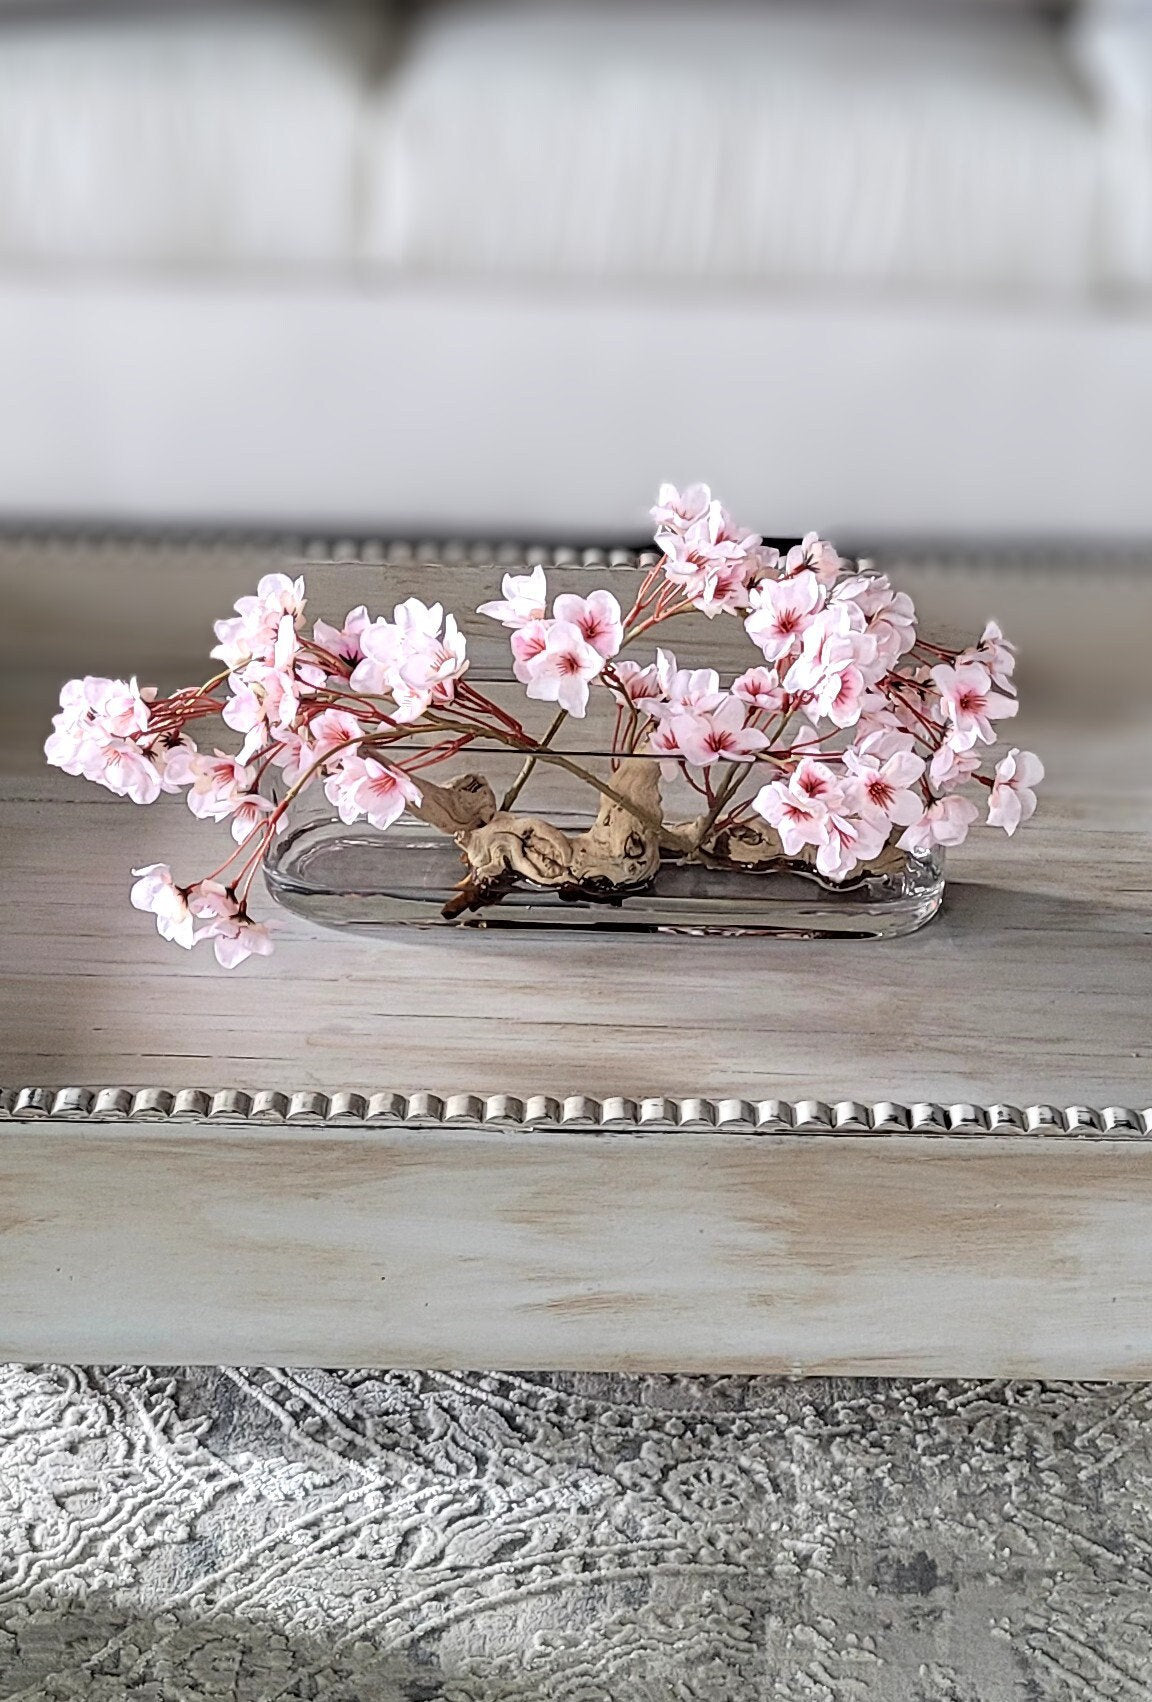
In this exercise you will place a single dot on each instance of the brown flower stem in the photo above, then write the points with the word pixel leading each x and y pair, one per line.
pixel 521 779
pixel 732 779
pixel 558 761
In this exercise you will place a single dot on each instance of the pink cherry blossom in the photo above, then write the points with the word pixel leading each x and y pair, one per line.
pixel 760 688
pixel 343 642
pixel 98 720
pixel 330 730
pixel 429 673
pixel 664 742
pixel 951 768
pixel 996 654
pixel 676 511
pixel 969 703
pixel 320 738
pixel 525 599
pixel 834 653
pixel 235 938
pixel 411 659
pixel 597 617
pixel 1013 799
pixel 211 900
pixel 252 635
pixel 707 736
pixel 387 645
pixel 251 813
pixel 815 553
pixel 559 672
pixel 361 786
pixel 125 769
pixel 797 816
pixel 640 686
pixel 945 822
pixel 528 642
pixel 215 784
pixel 884 782
pixel 890 616
pixel 119 707
pixel 382 792
pixel 782 611
pixel 847 839
pixel 340 785
pixel 816 781
pixel 685 688
pixel 157 892
pixel 713 565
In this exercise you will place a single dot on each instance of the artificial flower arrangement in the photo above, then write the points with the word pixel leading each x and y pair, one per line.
pixel 851 745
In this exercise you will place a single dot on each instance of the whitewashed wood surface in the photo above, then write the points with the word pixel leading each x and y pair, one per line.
pixel 710 1252
pixel 700 1249
pixel 1034 986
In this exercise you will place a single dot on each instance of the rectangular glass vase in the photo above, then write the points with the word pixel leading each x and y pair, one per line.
pixel 588 833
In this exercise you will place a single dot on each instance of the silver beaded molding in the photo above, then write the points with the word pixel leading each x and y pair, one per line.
pixel 628 1116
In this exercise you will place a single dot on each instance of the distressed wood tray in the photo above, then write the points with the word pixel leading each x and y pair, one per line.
pixel 925 1156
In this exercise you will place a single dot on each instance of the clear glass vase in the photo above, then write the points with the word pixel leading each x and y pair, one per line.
pixel 585 834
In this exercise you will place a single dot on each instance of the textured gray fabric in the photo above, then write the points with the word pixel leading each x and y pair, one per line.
pixel 368 1536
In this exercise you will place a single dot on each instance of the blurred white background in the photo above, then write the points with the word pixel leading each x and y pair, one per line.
pixel 505 264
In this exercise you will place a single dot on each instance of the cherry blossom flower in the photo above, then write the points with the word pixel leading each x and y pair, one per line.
pixel 761 689
pixel 707 736
pixel 884 781
pixel 361 786
pixel 125 769
pixel 216 783
pixel 951 768
pixel 95 731
pixel 1013 799
pixel 525 599
pixel 235 938
pixel 834 653
pixel 251 636
pixel 685 688
pixel 995 653
pixel 559 672
pixel 815 553
pixel 969 703
pixel 302 749
pixel 890 615
pixel 664 742
pixel 251 813
pixel 714 571
pixel 383 791
pixel 227 924
pixel 343 642
pixel 411 659
pixel 797 815
pixel 429 673
pixel 119 707
pixel 597 617
pixel 387 645
pixel 848 838
pixel 528 642
pixel 157 892
pixel 945 822
pixel 340 785
pixel 782 611
pixel 640 686
pixel 677 511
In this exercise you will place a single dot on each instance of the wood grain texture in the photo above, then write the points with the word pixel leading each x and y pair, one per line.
pixel 1034 986
pixel 436 1148
pixel 725 1252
